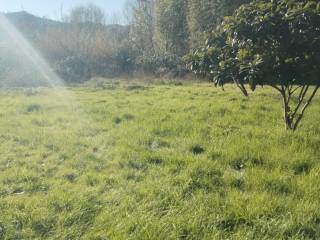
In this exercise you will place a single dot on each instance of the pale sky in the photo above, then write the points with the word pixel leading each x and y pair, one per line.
pixel 52 8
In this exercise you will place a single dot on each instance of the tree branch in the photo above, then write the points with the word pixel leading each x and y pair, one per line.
pixel 305 107
pixel 286 108
pixel 294 90
pixel 241 87
pixel 302 95
pixel 276 87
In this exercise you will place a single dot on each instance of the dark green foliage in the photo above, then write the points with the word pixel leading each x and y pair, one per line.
pixel 302 168
pixel 274 43
pixel 197 149
pixel 265 43
pixel 117 120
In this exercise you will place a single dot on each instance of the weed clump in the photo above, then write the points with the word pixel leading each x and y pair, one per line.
pixel 301 232
pixel 2 231
pixel 44 227
pixel 197 150
pixel 184 234
pixel 71 177
pixel 128 116
pixel 238 164
pixel 257 161
pixel 278 187
pixel 204 179
pixel 230 223
pixel 238 183
pixel 154 160
pixel 302 168
pixel 117 120
pixel 33 108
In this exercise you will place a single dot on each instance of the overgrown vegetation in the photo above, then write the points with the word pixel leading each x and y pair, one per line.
pixel 133 160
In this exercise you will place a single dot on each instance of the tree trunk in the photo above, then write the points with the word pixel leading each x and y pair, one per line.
pixel 286 115
pixel 286 109
pixel 292 118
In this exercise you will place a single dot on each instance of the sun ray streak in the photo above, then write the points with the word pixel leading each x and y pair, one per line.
pixel 59 89
pixel 28 52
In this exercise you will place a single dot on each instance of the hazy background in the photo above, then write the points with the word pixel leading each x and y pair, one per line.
pixel 54 9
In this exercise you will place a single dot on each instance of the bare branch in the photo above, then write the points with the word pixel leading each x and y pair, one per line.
pixel 295 89
pixel 286 108
pixel 305 107
pixel 302 95
pixel 276 87
pixel 241 87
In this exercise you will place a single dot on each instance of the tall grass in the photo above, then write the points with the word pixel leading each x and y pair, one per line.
pixel 156 162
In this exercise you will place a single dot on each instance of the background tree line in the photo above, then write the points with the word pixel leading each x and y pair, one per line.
pixel 158 34
pixel 162 32
pixel 249 43
pixel 156 37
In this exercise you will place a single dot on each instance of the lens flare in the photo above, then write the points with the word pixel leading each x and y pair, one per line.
pixel 26 51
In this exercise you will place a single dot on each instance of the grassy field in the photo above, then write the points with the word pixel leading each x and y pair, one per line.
pixel 132 161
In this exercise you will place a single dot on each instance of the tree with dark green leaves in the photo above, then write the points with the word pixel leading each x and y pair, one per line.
pixel 274 43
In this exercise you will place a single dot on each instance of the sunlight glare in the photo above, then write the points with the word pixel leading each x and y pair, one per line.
pixel 27 51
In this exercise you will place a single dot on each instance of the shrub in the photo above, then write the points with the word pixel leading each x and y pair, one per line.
pixel 73 69
pixel 275 43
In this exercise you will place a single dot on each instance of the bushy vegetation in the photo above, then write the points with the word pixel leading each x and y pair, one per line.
pixel 272 43
pixel 130 160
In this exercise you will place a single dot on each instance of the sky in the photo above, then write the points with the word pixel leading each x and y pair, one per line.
pixel 52 8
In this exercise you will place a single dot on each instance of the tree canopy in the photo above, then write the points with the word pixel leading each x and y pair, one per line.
pixel 275 43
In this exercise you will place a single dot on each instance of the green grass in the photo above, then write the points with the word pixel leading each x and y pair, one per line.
pixel 133 161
